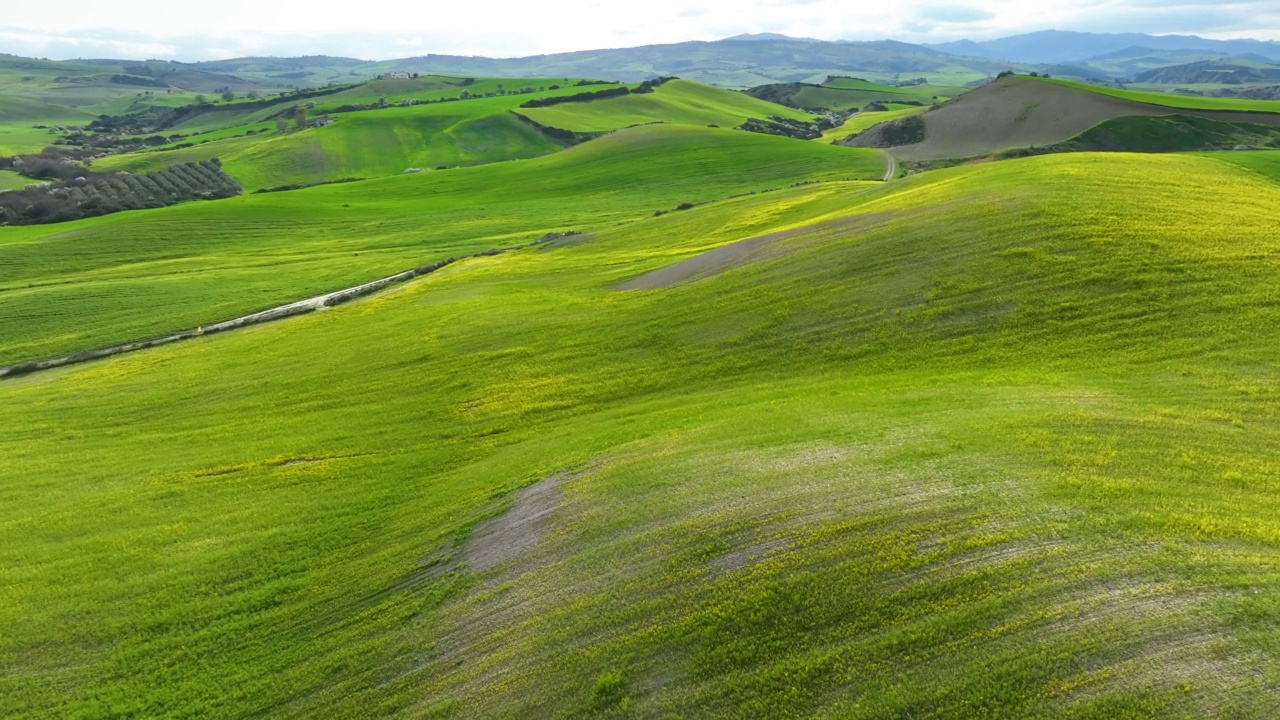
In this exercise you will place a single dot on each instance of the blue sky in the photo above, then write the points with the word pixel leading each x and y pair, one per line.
pixel 394 28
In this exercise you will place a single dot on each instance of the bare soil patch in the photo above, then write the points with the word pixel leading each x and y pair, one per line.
pixel 506 537
pixel 724 257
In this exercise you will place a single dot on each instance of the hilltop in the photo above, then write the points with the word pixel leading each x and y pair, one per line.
pixel 1019 112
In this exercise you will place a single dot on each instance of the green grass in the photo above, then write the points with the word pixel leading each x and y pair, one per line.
pixel 862 121
pixel 678 101
pixel 10 180
pixel 1177 101
pixel 994 441
pixel 373 143
pixel 18 114
pixel 97 282
pixel 1265 162
pixel 1173 133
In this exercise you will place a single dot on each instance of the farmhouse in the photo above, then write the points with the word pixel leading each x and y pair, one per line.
pixel 394 76
pixel 321 122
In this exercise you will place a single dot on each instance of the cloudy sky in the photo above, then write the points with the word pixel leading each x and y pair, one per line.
pixel 379 29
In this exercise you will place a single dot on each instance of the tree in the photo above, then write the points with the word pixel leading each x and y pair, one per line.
pixel 282 124
pixel 300 117
pixel 228 96
pixel 201 99
pixel 254 95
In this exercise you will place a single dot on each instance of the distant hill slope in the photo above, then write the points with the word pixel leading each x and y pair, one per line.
pixel 389 140
pixel 845 93
pixel 1133 61
pixel 1227 71
pixel 680 102
pixel 740 63
pixel 1021 112
pixel 1057 46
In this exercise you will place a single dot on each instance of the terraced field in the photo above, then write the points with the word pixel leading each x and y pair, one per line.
pixel 997 439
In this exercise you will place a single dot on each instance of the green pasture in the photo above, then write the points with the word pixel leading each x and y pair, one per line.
pixel 369 143
pixel 90 283
pixel 677 101
pixel 862 121
pixel 1000 440
pixel 1190 102
pixel 1265 162
pixel 10 180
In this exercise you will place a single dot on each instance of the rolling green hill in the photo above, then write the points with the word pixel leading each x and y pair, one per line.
pixel 845 93
pixel 679 101
pixel 867 120
pixel 999 440
pixel 92 283
pixel 377 143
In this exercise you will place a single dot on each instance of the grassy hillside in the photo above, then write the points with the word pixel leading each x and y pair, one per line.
pixel 730 63
pixel 999 440
pixel 368 144
pixel 1265 162
pixel 845 93
pixel 679 101
pixel 10 180
pixel 372 143
pixel 378 143
pixel 866 120
pixel 1173 133
pixel 97 282
pixel 18 114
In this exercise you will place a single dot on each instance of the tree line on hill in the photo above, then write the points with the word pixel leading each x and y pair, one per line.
pixel 89 194
pixel 798 129
pixel 647 86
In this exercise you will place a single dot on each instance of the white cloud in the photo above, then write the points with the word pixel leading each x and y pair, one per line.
pixel 389 28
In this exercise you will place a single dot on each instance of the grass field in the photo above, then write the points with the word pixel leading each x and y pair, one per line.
pixel 1265 162
pixel 10 180
pixel 843 93
pixel 1176 101
pixel 999 440
pixel 378 143
pixel 861 121
pixel 90 283
pixel 679 101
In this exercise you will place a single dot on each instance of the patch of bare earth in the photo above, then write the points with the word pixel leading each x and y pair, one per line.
pixel 506 537
pixel 719 259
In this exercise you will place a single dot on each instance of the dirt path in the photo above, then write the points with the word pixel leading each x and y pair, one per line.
pixel 299 307
pixel 891 166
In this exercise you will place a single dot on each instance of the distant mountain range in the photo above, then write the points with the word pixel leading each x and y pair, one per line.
pixel 1059 46
pixel 753 60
